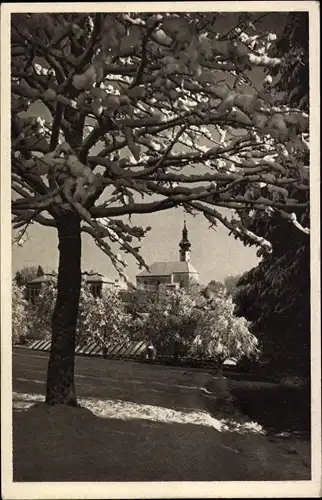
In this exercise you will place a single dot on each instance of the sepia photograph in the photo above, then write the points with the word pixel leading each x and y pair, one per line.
pixel 159 250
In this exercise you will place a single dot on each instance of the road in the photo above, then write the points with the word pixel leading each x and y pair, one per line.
pixel 126 442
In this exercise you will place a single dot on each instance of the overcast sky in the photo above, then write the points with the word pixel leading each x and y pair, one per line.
pixel 215 254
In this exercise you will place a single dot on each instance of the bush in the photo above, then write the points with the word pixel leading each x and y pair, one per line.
pixel 19 309
pixel 221 334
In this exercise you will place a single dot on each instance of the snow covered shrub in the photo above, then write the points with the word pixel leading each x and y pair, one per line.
pixel 220 334
pixel 170 322
pixel 19 306
pixel 104 319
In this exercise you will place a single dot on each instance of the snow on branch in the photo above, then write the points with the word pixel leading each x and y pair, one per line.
pixel 158 106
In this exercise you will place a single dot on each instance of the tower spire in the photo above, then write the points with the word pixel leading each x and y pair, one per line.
pixel 184 245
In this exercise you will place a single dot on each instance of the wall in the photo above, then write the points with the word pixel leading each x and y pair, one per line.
pixel 185 279
pixel 152 282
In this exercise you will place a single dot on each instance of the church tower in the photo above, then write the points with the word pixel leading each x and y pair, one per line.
pixel 184 245
pixel 171 275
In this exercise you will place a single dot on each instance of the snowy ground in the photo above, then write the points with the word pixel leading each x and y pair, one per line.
pixel 142 423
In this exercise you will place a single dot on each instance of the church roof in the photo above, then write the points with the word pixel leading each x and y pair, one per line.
pixel 168 268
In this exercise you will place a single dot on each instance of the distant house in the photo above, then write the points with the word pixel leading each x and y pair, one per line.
pixel 96 281
pixel 170 275
pixel 33 287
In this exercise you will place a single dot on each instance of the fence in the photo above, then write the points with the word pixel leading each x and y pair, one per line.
pixel 132 350
pixel 135 351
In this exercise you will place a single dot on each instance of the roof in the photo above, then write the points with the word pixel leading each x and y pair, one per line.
pixel 89 277
pixel 97 277
pixel 42 279
pixel 169 268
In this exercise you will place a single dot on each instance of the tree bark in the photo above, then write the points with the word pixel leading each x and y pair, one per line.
pixel 60 375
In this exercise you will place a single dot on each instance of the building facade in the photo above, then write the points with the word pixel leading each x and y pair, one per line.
pixel 170 275
pixel 34 286
pixel 97 283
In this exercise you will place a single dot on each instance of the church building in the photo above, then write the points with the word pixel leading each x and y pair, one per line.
pixel 171 275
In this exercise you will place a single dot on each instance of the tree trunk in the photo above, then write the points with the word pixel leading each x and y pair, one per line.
pixel 60 374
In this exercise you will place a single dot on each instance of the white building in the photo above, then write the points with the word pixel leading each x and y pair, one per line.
pixel 172 275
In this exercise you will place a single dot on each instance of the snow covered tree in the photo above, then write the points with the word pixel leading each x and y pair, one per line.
pixel 105 318
pixel 170 322
pixel 293 47
pixel 214 289
pixel 25 274
pixel 102 319
pixel 18 313
pixel 230 283
pixel 137 301
pixel 220 333
pixel 40 312
pixel 275 296
pixel 111 109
